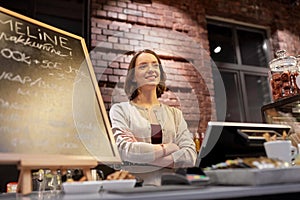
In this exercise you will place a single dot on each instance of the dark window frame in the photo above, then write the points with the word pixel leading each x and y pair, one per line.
pixel 242 70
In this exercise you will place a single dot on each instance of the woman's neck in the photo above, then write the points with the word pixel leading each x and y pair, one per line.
pixel 146 99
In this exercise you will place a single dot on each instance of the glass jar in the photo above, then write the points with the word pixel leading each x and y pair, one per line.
pixel 283 76
pixel 298 73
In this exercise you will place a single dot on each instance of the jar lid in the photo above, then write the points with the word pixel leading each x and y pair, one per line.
pixel 282 61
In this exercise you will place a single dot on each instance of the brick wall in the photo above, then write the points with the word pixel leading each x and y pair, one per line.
pixel 176 30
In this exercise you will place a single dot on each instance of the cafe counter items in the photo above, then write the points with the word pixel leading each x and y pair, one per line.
pixel 253 171
pixel 280 165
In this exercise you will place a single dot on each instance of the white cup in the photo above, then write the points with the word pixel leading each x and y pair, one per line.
pixel 281 149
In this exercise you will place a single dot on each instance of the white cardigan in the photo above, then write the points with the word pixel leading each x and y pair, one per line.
pixel 130 118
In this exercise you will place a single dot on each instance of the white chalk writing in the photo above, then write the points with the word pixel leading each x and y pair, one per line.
pixel 42 84
pixel 86 126
pixel 39 82
pixel 15 78
pixel 9 129
pixel 15 55
pixel 11 105
pixel 19 141
pixel 66 145
pixel 9 117
pixel 35 33
pixel 27 92
pixel 27 42
pixel 46 64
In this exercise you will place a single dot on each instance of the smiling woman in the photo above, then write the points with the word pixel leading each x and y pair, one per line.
pixel 147 71
pixel 140 62
pixel 151 137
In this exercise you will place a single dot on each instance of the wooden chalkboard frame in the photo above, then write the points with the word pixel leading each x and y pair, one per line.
pixel 115 158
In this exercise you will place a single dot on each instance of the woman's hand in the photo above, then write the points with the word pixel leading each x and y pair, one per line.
pixel 166 161
pixel 170 148
pixel 163 150
pixel 128 136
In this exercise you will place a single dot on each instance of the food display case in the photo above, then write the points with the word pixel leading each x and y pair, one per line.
pixel 284 111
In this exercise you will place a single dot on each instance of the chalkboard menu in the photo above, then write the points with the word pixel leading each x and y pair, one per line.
pixel 49 99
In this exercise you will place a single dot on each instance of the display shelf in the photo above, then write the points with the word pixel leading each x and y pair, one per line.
pixel 283 111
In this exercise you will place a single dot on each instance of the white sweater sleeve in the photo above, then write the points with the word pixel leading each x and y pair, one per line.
pixel 138 152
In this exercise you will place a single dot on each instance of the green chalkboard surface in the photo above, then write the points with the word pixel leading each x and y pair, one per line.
pixel 49 99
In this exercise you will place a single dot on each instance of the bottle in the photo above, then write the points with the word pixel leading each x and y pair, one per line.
pixel 197 141
pixel 69 176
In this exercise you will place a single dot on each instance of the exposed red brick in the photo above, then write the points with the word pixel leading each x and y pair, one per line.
pixel 177 30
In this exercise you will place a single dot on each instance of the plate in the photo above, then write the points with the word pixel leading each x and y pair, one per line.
pixel 254 176
pixel 118 184
pixel 82 187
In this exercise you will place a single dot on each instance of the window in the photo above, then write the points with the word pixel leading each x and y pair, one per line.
pixel 69 15
pixel 241 55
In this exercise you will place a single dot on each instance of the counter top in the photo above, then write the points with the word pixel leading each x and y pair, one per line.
pixel 279 191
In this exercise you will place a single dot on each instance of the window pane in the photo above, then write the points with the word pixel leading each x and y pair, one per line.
pixel 67 15
pixel 257 95
pixel 252 48
pixel 23 7
pixel 234 110
pixel 221 44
